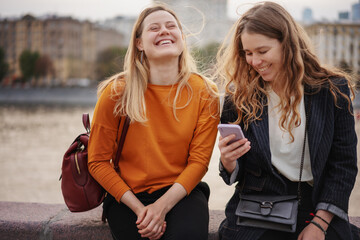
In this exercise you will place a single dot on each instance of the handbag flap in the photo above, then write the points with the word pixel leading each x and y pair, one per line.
pixel 272 206
pixel 265 198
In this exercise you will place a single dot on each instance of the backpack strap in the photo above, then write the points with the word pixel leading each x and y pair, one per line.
pixel 86 122
pixel 121 143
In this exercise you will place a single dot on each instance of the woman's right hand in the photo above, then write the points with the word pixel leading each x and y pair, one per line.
pixel 229 153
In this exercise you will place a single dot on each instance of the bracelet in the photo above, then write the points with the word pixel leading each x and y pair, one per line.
pixel 314 215
pixel 319 226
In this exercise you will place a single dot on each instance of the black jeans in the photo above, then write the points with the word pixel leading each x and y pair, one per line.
pixel 189 218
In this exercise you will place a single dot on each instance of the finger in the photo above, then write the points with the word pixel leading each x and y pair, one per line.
pixel 161 233
pixel 155 232
pixel 235 154
pixel 150 231
pixel 144 223
pixel 242 149
pixel 163 227
pixel 226 147
pixel 229 149
pixel 141 216
pixel 158 236
pixel 237 143
pixel 224 141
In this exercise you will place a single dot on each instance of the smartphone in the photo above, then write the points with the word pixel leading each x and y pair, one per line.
pixel 228 129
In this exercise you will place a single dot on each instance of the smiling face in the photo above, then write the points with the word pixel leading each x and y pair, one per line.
pixel 161 37
pixel 264 54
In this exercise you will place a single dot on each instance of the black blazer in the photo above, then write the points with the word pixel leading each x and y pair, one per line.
pixel 332 144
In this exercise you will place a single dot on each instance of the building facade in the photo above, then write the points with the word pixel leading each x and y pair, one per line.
pixel 122 24
pixel 71 45
pixel 355 12
pixel 337 44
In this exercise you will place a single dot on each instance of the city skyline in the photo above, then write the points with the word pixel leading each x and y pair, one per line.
pixel 94 10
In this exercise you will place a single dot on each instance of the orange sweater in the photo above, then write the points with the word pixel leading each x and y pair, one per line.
pixel 161 151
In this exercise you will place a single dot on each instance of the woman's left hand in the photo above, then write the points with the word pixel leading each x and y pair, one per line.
pixel 311 232
pixel 151 221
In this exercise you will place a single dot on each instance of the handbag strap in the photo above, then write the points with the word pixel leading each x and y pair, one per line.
pixel 307 112
pixel 121 143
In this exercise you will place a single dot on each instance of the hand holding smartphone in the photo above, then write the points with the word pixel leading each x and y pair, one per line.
pixel 228 129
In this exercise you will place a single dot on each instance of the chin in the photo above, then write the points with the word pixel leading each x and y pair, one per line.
pixel 267 78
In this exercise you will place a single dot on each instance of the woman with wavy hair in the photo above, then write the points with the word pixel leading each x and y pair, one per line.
pixel 174 112
pixel 288 105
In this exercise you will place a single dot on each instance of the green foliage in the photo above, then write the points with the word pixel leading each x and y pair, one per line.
pixel 27 64
pixel 205 56
pixel 4 66
pixel 109 62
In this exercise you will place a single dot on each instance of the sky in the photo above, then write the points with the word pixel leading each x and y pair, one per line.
pixel 97 10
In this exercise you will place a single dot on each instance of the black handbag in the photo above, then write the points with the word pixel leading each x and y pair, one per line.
pixel 272 212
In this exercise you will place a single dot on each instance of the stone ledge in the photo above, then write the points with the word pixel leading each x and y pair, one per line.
pixel 54 221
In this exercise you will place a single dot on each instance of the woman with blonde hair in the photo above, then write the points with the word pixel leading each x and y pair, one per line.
pixel 174 112
pixel 298 123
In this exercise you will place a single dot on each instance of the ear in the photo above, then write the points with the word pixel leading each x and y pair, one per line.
pixel 139 44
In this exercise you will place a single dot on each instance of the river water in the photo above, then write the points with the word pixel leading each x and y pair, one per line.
pixel 33 140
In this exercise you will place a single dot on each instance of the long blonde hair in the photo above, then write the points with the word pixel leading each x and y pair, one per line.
pixel 300 66
pixel 129 86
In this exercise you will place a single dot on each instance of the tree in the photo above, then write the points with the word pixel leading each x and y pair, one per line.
pixel 109 62
pixel 44 67
pixel 343 65
pixel 4 66
pixel 27 64
pixel 206 56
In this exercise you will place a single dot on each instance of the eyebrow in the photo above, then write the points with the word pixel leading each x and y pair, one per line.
pixel 157 23
pixel 257 48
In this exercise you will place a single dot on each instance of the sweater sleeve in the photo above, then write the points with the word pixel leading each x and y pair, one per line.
pixel 103 146
pixel 202 143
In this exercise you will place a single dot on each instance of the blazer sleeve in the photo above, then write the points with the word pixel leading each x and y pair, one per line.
pixel 340 170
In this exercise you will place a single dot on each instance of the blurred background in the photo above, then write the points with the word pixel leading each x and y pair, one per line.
pixel 53 54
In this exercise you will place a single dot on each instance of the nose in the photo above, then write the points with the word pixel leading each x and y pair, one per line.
pixel 164 31
pixel 256 60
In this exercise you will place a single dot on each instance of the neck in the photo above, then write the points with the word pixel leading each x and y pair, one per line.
pixel 164 72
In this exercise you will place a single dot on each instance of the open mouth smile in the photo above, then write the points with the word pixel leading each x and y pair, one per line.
pixel 262 69
pixel 164 42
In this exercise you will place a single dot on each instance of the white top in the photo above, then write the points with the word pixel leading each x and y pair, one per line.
pixel 286 155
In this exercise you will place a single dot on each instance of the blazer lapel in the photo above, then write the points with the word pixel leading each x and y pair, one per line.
pixel 260 129
pixel 317 117
pixel 317 103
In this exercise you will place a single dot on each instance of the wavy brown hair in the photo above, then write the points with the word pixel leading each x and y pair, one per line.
pixel 300 66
